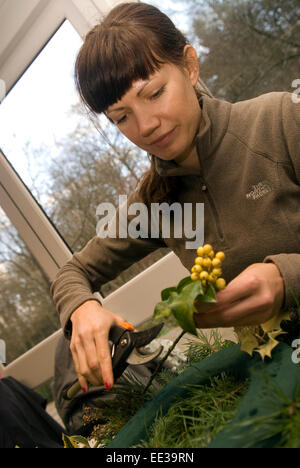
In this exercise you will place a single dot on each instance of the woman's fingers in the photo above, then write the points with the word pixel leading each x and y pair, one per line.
pixel 103 352
pixel 84 372
pixel 90 347
pixel 250 311
pixel 89 364
pixel 82 381
pixel 251 298
pixel 237 290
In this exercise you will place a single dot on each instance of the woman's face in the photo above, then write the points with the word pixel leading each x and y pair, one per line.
pixel 161 114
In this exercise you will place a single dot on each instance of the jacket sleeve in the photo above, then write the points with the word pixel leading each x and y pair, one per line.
pixel 100 261
pixel 289 264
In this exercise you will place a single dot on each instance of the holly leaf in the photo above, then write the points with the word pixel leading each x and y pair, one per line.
pixel 247 339
pixel 274 322
pixel 266 349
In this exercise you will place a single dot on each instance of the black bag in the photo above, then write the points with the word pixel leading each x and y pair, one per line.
pixel 24 421
pixel 71 412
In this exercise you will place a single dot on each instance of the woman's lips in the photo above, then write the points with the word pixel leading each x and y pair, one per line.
pixel 164 139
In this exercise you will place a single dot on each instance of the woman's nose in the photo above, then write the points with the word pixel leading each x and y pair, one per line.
pixel 147 124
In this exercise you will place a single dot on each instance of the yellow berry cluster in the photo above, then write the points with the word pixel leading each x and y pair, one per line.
pixel 207 267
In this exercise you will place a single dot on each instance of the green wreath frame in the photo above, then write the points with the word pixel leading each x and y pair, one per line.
pixel 275 379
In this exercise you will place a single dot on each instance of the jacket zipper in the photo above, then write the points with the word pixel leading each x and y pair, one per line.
pixel 213 208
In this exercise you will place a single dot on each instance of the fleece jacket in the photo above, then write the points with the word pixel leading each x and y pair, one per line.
pixel 248 179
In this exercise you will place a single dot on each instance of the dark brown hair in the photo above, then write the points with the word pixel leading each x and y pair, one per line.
pixel 131 43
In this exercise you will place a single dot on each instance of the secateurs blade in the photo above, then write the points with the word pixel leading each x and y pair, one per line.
pixel 125 343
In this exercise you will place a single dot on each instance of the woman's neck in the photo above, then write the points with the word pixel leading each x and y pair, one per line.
pixel 191 159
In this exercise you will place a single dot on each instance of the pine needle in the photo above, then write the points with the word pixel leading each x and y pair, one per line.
pixel 193 422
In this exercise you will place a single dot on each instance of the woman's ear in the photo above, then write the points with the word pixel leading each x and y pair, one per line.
pixel 191 64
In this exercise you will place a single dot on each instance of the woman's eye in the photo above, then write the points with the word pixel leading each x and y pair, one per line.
pixel 121 120
pixel 158 93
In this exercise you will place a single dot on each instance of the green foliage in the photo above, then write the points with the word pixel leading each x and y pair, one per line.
pixel 248 47
pixel 193 422
pixel 206 345
pixel 180 301
pixel 284 326
pixel 282 422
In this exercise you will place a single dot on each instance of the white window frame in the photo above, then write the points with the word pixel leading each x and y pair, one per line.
pixel 41 19
pixel 34 22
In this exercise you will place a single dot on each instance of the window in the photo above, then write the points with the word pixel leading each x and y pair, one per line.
pixel 36 114
pixel 68 165
pixel 27 313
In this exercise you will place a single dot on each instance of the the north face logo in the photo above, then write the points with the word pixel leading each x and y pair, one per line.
pixel 259 190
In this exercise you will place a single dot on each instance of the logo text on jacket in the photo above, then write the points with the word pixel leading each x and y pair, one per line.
pixel 259 190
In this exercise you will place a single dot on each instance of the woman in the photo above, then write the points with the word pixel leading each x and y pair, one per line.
pixel 241 160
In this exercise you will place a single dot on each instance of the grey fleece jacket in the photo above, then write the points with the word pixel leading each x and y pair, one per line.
pixel 249 181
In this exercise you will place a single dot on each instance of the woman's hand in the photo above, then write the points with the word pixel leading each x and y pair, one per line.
pixel 90 348
pixel 252 298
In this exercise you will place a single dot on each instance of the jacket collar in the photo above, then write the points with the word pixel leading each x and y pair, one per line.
pixel 216 115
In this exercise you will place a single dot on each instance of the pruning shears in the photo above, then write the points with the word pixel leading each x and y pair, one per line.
pixel 125 343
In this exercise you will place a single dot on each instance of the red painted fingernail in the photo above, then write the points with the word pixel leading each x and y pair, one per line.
pixel 84 390
pixel 108 386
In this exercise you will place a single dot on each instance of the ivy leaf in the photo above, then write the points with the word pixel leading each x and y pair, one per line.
pixel 180 301
pixel 209 296
pixel 165 293
pixel 182 305
pixel 162 311
pixel 184 282
pixel 184 316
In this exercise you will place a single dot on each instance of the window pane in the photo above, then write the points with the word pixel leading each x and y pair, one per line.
pixel 27 313
pixel 35 115
pixel 69 165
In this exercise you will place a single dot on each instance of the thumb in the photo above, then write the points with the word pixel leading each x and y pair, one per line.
pixel 122 322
